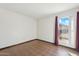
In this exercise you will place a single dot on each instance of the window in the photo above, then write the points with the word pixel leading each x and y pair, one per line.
pixel 64 21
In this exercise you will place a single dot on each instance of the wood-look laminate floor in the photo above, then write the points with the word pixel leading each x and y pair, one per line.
pixel 36 48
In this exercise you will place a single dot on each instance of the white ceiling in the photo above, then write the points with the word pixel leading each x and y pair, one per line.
pixel 37 10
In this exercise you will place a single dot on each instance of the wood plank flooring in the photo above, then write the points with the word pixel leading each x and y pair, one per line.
pixel 36 48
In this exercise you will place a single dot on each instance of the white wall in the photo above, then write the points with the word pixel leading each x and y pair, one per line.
pixel 15 28
pixel 46 29
pixel 46 26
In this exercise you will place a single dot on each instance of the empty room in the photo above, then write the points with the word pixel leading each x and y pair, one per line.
pixel 39 29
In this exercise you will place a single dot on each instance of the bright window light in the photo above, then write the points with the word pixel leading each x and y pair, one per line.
pixel 64 21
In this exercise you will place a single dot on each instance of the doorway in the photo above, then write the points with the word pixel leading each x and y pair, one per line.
pixel 64 31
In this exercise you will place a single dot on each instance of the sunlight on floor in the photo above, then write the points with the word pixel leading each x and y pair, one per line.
pixel 72 54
